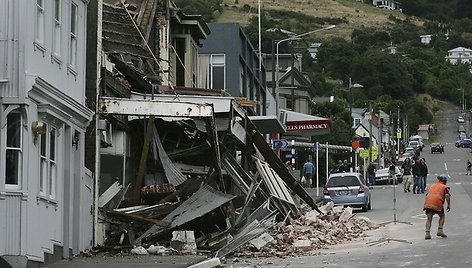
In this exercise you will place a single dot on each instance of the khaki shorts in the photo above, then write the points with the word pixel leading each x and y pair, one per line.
pixel 430 211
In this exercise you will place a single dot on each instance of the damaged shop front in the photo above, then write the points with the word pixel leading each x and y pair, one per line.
pixel 194 166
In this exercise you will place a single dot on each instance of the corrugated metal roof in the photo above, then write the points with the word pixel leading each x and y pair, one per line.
pixel 173 174
pixel 205 200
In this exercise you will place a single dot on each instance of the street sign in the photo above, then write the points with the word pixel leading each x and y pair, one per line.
pixel 279 143
pixel 355 145
pixel 364 153
pixel 375 153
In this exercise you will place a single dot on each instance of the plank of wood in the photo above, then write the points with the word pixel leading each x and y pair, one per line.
pixel 142 162
pixel 139 218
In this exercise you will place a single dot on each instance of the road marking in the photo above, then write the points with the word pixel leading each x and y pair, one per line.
pixel 458 183
pixel 419 216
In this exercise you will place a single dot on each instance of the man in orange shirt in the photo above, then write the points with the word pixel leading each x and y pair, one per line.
pixel 434 204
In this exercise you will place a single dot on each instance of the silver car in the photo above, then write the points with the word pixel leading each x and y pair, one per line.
pixel 347 189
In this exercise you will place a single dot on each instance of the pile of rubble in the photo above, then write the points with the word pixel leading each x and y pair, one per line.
pixel 310 232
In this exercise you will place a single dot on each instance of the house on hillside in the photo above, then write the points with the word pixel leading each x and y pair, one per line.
pixel 425 39
pixel 45 188
pixel 459 55
pixel 387 4
pixel 313 50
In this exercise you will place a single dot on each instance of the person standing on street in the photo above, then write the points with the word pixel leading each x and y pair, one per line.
pixel 423 174
pixel 469 167
pixel 407 175
pixel 308 171
pixel 415 170
pixel 434 204
pixel 346 166
pixel 371 173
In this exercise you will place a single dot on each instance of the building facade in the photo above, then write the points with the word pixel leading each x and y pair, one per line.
pixel 459 55
pixel 229 61
pixel 387 4
pixel 45 189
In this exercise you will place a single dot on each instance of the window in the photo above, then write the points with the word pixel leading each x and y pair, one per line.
pixel 289 104
pixel 13 151
pixel 357 121
pixel 73 35
pixel 180 50
pixel 48 165
pixel 40 21
pixel 217 72
pixel 194 65
pixel 57 28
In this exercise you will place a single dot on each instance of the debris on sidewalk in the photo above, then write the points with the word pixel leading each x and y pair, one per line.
pixel 312 231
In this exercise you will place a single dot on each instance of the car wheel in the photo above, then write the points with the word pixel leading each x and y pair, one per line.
pixel 369 207
pixel 432 152
pixel 365 208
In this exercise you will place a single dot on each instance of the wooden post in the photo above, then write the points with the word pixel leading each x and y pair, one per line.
pixel 142 162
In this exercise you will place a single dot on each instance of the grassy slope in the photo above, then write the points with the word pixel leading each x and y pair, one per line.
pixel 357 14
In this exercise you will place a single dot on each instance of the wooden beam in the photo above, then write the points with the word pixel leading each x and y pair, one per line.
pixel 139 218
pixel 142 162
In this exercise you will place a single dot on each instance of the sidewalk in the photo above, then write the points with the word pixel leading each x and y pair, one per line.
pixel 312 192
pixel 104 260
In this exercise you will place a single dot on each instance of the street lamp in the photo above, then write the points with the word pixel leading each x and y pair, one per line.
pixel 351 86
pixel 291 38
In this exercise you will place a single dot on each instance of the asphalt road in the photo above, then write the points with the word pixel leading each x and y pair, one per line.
pixel 400 242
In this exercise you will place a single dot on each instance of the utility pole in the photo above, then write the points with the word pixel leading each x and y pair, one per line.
pixel 399 131
pixel 370 133
pixel 380 145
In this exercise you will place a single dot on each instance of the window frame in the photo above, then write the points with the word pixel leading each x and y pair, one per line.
pixel 40 22
pixel 57 29
pixel 212 65
pixel 48 162
pixel 19 150
pixel 73 34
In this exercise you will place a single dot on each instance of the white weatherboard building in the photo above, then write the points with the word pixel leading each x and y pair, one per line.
pixel 459 55
pixel 45 190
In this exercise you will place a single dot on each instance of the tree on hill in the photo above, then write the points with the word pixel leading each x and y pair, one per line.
pixel 206 8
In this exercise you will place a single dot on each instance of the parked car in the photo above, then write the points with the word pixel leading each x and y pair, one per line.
pixel 406 154
pixel 465 143
pixel 437 148
pixel 462 136
pixel 411 150
pixel 417 138
pixel 416 145
pixel 382 176
pixel 347 189
pixel 460 119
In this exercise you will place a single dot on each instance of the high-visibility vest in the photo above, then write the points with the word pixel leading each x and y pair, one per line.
pixel 436 196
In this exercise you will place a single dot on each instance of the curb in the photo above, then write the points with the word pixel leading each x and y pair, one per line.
pixel 210 263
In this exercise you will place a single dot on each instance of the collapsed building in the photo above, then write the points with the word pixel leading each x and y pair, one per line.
pixel 173 156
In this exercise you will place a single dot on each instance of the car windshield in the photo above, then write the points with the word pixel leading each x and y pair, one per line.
pixel 343 181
